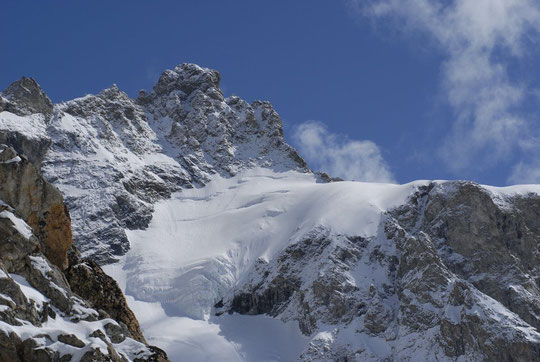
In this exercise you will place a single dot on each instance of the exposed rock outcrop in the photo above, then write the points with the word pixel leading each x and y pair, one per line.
pixel 25 97
pixel 452 274
pixel 490 241
pixel 89 281
pixel 38 203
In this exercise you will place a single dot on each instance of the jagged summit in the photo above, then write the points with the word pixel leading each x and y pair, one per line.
pixel 213 133
pixel 187 78
pixel 25 97
pixel 114 156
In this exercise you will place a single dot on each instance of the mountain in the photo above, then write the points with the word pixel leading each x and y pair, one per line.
pixel 114 157
pixel 228 247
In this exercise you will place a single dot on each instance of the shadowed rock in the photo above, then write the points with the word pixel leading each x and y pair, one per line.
pixel 38 203
pixel 25 97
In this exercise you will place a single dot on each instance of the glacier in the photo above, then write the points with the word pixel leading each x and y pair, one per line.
pixel 203 241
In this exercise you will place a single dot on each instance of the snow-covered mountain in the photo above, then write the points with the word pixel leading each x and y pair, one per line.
pixel 228 247
pixel 113 157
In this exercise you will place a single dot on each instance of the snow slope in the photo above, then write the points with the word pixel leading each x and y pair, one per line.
pixel 209 244
pixel 203 242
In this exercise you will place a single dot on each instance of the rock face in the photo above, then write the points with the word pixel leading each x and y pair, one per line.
pixel 39 204
pixel 25 97
pixel 491 242
pixel 44 315
pixel 90 282
pixel 452 274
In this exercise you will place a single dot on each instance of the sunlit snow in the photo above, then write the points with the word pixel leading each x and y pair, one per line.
pixel 201 242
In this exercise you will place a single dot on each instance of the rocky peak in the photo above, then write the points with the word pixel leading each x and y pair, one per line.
pixel 214 134
pixel 111 103
pixel 25 97
pixel 113 157
pixel 186 78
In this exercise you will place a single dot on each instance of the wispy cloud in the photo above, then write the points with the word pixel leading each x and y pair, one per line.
pixel 525 173
pixel 340 156
pixel 480 39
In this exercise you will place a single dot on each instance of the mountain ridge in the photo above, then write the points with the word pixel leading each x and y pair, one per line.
pixel 143 150
pixel 210 215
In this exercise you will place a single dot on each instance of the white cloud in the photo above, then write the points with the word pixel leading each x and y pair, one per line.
pixel 527 171
pixel 479 39
pixel 524 173
pixel 339 156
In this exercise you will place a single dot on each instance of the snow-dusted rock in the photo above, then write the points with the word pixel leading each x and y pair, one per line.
pixel 211 133
pixel 113 157
pixel 487 236
pixel 105 160
pixel 25 97
pixel 451 274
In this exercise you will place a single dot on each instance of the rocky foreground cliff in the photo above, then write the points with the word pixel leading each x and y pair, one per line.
pixel 209 213
pixel 53 305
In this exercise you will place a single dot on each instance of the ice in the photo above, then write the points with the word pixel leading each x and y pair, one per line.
pixel 203 241
pixel 227 338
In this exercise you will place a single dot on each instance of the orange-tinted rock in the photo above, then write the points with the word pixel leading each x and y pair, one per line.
pixel 56 234
pixel 37 202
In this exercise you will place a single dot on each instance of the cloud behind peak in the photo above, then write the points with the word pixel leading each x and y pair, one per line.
pixel 341 156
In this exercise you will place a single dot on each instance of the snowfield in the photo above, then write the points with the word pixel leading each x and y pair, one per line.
pixel 202 241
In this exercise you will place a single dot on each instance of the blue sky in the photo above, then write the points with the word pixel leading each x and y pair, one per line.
pixel 369 89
